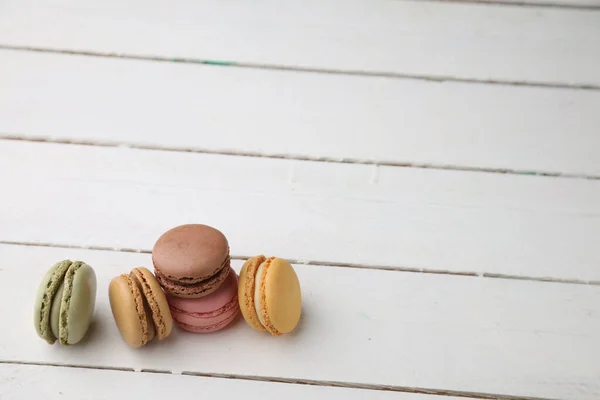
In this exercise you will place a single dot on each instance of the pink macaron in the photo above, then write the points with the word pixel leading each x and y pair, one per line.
pixel 209 313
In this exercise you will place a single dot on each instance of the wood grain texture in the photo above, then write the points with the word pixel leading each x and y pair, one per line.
pixel 342 213
pixel 24 382
pixel 299 115
pixel 464 41
pixel 439 332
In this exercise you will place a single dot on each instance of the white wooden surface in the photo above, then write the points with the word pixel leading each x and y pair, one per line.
pixel 358 326
pixel 427 274
pixel 23 382
pixel 439 39
pixel 435 220
pixel 299 115
pixel 585 4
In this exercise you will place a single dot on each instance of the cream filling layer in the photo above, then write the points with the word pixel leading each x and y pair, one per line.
pixel 257 284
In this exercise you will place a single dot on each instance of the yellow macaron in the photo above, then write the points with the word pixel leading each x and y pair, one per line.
pixel 269 295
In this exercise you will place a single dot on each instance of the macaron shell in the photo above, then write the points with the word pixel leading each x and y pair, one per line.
pixel 55 310
pixel 282 294
pixel 37 307
pixel 151 328
pixel 188 319
pixel 193 291
pixel 47 290
pixel 211 303
pixel 155 300
pixel 78 310
pixel 246 286
pixel 128 311
pixel 207 328
pixel 190 253
pixel 210 313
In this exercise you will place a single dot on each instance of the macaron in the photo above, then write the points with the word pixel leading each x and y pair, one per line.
pixel 191 261
pixel 139 307
pixel 269 295
pixel 209 313
pixel 65 302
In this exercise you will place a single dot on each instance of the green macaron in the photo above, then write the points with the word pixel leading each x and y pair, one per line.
pixel 65 302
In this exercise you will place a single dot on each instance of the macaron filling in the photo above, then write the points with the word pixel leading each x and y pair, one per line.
pixel 151 326
pixel 246 291
pixel 193 280
pixel 208 314
pixel 257 285
pixel 51 290
pixel 139 307
pixel 205 328
pixel 200 289
pixel 152 303
pixel 66 303
pixel 260 297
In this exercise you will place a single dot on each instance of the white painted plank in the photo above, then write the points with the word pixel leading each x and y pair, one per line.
pixel 440 332
pixel 466 41
pixel 586 4
pixel 306 115
pixel 28 382
pixel 350 213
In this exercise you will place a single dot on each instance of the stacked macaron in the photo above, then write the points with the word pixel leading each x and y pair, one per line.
pixel 192 264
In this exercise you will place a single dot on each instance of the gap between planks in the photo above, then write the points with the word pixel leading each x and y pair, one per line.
pixel 516 3
pixel 291 68
pixel 328 264
pixel 296 157
pixel 272 379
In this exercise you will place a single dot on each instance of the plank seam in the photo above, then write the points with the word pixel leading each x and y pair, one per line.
pixel 431 271
pixel 272 379
pixel 295 157
pixel 528 4
pixel 291 68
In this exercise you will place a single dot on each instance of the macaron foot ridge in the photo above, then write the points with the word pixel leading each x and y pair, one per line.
pixel 60 269
pixel 139 306
pixel 162 328
pixel 246 291
pixel 190 280
pixel 209 328
pixel 232 304
pixel 261 305
pixel 193 290
pixel 66 303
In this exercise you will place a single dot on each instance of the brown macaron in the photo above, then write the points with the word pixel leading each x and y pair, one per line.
pixel 191 261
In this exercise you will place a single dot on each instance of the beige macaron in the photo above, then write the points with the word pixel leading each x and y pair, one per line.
pixel 139 307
